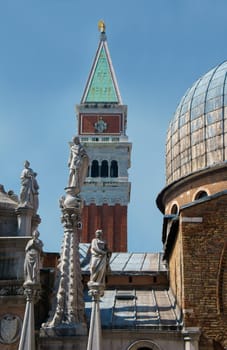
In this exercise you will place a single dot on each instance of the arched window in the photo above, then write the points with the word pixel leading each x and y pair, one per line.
pixel 104 169
pixel 201 194
pixel 174 209
pixel 114 169
pixel 95 168
pixel 143 345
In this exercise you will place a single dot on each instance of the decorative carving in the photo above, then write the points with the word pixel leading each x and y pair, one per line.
pixel 78 165
pixel 67 314
pixel 32 260
pixel 70 200
pixel 100 125
pixel 32 293
pixel 11 290
pixel 70 219
pixel 10 328
pixel 29 188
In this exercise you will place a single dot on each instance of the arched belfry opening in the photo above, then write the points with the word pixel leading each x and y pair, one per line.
pixel 95 169
pixel 104 169
pixel 114 169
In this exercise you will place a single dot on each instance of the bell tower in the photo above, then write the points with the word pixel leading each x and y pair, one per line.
pixel 102 122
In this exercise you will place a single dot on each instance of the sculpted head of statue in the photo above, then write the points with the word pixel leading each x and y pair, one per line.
pixel 98 233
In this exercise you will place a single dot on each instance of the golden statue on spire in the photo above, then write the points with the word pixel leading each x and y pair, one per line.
pixel 102 26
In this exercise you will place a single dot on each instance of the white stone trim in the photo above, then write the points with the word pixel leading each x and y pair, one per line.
pixel 194 219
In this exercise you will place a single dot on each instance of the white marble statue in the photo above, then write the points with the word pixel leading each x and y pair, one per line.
pixel 33 251
pixel 78 165
pixel 29 188
pixel 100 256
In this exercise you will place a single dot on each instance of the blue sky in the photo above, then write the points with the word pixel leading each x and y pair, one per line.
pixel 158 49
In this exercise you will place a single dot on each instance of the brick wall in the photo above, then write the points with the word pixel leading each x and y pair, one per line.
pixel 200 251
pixel 111 219
pixel 176 271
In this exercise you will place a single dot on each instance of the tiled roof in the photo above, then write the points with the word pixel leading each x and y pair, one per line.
pixel 133 309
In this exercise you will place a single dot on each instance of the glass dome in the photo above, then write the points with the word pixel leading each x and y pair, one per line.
pixel 197 134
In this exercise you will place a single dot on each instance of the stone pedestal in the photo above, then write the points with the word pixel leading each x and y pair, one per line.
pixel 27 339
pixel 95 335
pixel 24 218
pixel 27 220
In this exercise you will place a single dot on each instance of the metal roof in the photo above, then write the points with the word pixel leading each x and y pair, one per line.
pixel 133 309
pixel 195 138
pixel 126 263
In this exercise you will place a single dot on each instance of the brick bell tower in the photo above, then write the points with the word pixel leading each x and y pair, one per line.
pixel 102 121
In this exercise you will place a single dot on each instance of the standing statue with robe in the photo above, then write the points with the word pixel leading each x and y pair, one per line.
pixel 32 264
pixel 78 165
pixel 100 256
pixel 29 188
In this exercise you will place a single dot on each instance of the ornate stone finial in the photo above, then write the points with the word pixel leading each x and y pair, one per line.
pixel 102 26
pixel 29 188
pixel 78 165
pixel 67 316
pixel 32 260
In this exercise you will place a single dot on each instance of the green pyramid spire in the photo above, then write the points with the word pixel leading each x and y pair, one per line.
pixel 102 85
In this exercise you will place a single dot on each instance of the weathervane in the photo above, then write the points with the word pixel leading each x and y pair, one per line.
pixel 102 26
